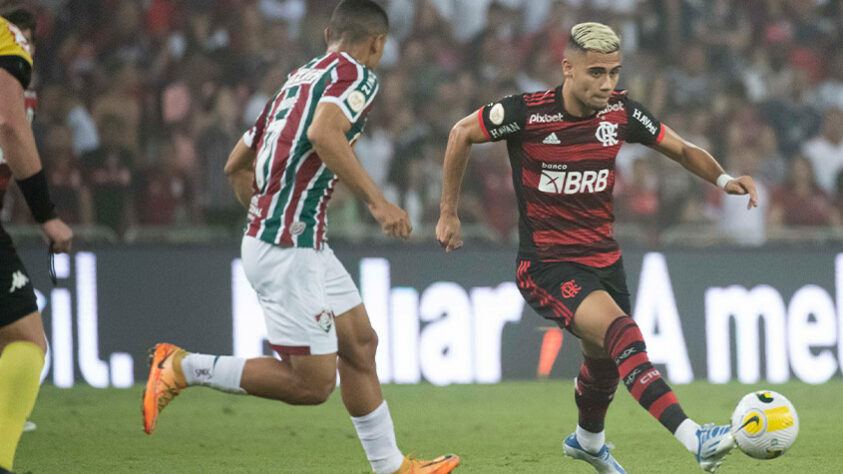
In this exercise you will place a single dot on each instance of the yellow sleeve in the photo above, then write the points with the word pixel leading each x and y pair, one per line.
pixel 14 52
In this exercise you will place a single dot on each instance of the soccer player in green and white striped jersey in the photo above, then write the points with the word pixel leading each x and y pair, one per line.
pixel 284 170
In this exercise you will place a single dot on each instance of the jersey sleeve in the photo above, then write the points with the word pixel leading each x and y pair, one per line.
pixel 504 119
pixel 253 136
pixel 642 127
pixel 352 88
pixel 14 53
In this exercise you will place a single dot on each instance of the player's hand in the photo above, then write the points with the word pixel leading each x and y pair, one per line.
pixel 394 221
pixel 58 234
pixel 448 232
pixel 743 185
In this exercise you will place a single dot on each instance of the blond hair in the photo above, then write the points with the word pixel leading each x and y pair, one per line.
pixel 595 37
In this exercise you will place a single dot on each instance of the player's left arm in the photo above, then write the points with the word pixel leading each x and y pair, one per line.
pixel 240 171
pixel 702 164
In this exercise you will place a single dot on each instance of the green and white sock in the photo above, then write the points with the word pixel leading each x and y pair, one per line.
pixel 222 373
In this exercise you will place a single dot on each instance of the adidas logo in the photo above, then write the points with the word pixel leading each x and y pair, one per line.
pixel 551 139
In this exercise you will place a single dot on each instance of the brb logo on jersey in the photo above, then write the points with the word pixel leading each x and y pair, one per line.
pixel 607 133
pixel 555 181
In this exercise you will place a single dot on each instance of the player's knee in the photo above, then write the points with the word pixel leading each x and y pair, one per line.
pixel 41 342
pixel 319 392
pixel 369 344
pixel 362 354
pixel 32 333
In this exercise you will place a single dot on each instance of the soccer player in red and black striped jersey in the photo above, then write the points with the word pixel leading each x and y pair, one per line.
pixel 283 171
pixel 562 146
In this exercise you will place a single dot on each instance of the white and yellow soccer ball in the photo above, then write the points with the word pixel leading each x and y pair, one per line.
pixel 764 424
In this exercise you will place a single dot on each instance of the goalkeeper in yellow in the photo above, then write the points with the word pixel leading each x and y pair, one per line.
pixel 22 340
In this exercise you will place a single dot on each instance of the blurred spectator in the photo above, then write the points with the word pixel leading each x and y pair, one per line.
pixel 726 30
pixel 826 150
pixel 830 91
pixel 121 100
pixel 57 107
pixel 637 197
pixel 800 201
pixel 492 176
pixel 744 226
pixel 108 174
pixel 791 115
pixel 213 145
pixel 165 196
pixel 690 84
pixel 837 197
pixel 73 203
pixel 122 38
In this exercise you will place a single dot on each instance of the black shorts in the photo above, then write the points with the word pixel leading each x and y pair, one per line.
pixel 17 296
pixel 556 289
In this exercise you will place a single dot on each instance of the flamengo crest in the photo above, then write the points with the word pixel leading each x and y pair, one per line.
pixel 607 133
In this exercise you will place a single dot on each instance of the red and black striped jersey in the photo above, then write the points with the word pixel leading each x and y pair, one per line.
pixel 563 169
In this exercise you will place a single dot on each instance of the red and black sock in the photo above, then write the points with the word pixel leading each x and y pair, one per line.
pixel 596 385
pixel 625 345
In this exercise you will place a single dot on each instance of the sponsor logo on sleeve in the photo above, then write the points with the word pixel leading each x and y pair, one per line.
pixel 356 101
pixel 645 121
pixel 496 114
pixel 20 39
pixel 368 87
pixel 505 129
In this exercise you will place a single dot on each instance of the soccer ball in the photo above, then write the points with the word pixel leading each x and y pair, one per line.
pixel 764 424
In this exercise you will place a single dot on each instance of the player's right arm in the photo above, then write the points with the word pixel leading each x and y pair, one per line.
pixel 498 121
pixel 464 134
pixel 18 145
pixel 327 134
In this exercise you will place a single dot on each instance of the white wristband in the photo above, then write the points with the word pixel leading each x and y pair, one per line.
pixel 723 180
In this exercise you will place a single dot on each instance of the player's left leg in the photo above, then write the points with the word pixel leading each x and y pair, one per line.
pixel 360 388
pixel 601 322
pixel 23 346
pixel 361 394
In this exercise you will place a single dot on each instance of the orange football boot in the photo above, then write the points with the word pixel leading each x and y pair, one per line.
pixel 441 465
pixel 166 380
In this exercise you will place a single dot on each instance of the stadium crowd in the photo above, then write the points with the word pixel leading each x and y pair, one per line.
pixel 140 103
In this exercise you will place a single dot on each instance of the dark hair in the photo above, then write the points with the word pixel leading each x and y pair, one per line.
pixel 355 20
pixel 19 16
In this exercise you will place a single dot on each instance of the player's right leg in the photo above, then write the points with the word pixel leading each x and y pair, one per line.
pixel 291 293
pixel 297 380
pixel 23 346
pixel 599 321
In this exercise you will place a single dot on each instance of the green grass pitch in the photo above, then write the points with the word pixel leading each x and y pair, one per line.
pixel 510 427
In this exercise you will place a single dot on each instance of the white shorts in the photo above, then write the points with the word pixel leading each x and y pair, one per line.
pixel 300 291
